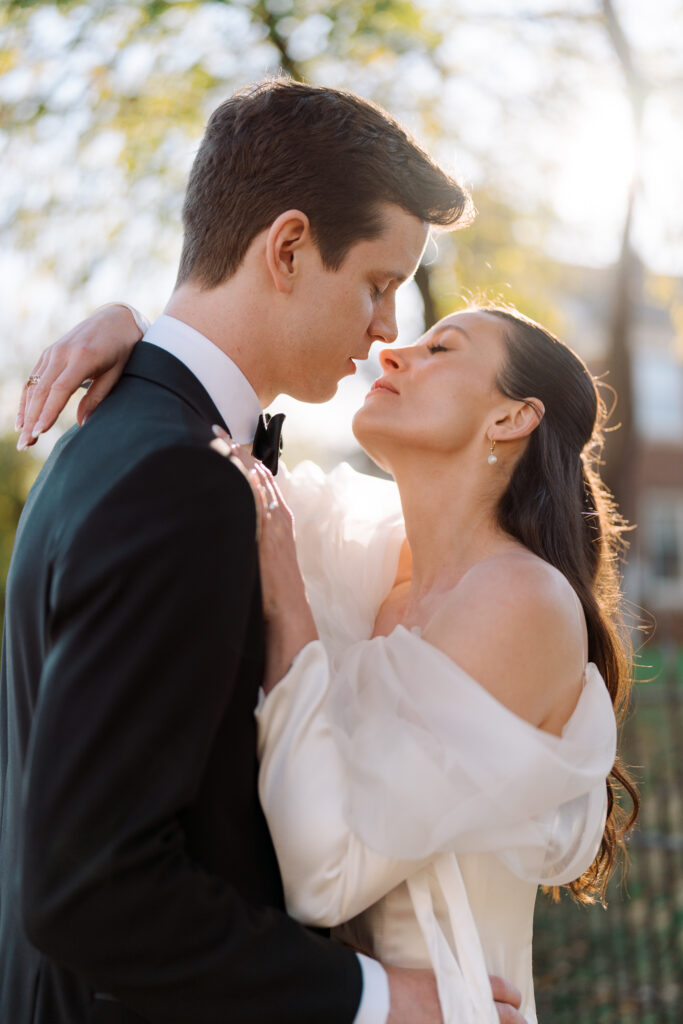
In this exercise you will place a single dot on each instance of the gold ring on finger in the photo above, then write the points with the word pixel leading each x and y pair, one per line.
pixel 33 379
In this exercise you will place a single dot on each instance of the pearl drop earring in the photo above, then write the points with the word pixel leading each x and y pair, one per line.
pixel 492 459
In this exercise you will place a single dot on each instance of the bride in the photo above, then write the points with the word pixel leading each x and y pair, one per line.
pixel 446 658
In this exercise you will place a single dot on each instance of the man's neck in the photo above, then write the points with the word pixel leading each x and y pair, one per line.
pixel 226 316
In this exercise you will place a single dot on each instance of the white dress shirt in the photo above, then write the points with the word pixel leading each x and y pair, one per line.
pixel 238 404
pixel 231 392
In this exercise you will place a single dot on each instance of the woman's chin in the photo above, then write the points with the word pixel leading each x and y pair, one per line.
pixel 368 442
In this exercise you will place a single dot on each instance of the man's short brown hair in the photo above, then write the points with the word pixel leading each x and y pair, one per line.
pixel 284 145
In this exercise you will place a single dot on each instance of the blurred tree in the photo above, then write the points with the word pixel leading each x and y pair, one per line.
pixel 115 92
pixel 621 443
pixel 141 104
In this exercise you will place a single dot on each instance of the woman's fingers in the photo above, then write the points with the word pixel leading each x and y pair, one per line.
pixel 28 388
pixel 45 399
pixel 239 450
pixel 23 398
pixel 35 392
pixel 508 1000
pixel 266 493
pixel 97 348
pixel 53 400
pixel 98 390
pixel 272 496
pixel 504 992
pixel 246 463
pixel 509 1015
pixel 265 496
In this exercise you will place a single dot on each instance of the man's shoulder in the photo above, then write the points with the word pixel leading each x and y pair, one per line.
pixel 103 481
pixel 153 460
pixel 139 421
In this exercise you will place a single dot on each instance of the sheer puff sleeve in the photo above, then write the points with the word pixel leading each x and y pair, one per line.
pixel 399 753
pixel 349 531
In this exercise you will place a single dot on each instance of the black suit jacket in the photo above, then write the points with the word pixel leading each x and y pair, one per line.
pixel 135 862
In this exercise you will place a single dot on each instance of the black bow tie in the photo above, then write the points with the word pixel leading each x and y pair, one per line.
pixel 268 440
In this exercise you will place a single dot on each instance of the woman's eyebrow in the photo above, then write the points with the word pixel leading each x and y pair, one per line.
pixel 438 331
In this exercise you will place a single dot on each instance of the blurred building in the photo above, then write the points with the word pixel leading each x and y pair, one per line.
pixel 658 392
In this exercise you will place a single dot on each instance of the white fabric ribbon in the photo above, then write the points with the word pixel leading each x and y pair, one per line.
pixel 461 978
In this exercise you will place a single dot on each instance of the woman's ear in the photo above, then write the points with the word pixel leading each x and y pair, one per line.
pixel 287 234
pixel 519 420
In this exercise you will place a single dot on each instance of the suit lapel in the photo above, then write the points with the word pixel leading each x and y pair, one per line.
pixel 158 366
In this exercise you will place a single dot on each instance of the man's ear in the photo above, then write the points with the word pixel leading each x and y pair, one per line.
pixel 286 235
pixel 518 420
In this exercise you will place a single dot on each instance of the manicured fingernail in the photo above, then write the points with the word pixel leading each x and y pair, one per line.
pixel 86 417
pixel 37 430
pixel 224 436
pixel 18 423
pixel 22 444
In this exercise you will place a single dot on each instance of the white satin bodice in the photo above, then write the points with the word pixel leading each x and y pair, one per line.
pixel 501 904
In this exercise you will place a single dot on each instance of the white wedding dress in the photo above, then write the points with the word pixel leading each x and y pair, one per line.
pixel 410 810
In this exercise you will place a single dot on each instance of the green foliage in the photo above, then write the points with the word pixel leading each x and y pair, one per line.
pixel 136 80
pixel 499 259
pixel 145 73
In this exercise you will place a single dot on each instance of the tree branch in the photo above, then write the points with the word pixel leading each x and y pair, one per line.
pixel 270 23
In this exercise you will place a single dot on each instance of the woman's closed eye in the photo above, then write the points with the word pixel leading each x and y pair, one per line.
pixel 436 347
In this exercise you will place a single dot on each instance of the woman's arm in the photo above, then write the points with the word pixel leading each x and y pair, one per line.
pixel 396 753
pixel 97 349
pixel 289 619
pixel 329 874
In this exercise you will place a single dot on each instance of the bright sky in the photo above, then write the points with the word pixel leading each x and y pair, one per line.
pixel 576 152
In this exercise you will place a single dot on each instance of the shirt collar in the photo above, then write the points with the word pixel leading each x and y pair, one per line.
pixel 230 390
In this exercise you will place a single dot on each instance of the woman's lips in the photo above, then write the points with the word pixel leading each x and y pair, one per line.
pixel 383 385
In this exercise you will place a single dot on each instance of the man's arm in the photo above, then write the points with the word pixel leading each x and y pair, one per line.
pixel 149 609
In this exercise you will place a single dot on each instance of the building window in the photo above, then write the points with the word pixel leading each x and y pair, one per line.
pixel 663 546
pixel 658 394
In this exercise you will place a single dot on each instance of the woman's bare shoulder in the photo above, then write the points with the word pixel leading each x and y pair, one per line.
pixel 514 624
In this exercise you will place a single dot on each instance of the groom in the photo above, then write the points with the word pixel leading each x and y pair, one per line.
pixel 137 877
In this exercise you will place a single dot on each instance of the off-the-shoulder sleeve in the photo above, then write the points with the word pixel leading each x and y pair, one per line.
pixel 399 754
pixel 349 531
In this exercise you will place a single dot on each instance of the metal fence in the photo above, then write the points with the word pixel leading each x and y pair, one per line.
pixel 624 965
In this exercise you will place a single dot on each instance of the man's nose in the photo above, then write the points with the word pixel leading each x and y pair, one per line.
pixel 383 327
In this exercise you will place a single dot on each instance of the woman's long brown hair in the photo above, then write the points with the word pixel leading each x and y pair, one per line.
pixel 558 507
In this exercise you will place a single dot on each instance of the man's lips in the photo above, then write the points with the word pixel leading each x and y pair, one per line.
pixel 382 384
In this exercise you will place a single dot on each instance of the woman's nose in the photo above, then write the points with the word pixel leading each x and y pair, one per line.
pixel 392 359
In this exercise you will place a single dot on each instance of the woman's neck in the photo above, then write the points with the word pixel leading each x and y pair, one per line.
pixel 450 515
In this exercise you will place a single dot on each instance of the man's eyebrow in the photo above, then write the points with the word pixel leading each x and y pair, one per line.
pixel 394 275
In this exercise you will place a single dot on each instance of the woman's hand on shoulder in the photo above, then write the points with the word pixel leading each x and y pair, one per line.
pixel 288 616
pixel 513 623
pixel 96 349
